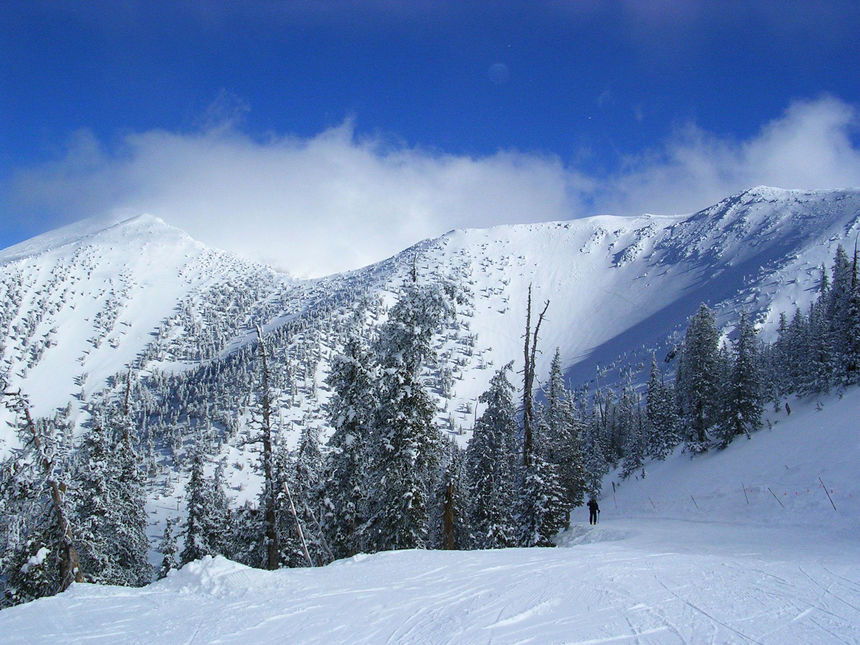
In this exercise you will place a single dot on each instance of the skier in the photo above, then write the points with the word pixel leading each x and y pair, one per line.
pixel 593 510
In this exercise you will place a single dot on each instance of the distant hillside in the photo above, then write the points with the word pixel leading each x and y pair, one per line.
pixel 88 302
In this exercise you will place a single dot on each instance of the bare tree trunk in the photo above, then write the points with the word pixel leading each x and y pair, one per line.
pixel 126 409
pixel 529 353
pixel 450 543
pixel 269 516
pixel 70 565
pixel 528 377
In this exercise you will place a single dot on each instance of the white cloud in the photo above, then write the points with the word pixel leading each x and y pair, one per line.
pixel 335 201
pixel 312 206
pixel 812 145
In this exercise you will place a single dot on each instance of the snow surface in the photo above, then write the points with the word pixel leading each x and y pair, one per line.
pixel 717 570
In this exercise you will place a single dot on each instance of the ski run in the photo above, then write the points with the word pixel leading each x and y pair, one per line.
pixel 700 551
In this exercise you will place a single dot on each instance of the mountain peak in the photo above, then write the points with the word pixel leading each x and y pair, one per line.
pixel 94 228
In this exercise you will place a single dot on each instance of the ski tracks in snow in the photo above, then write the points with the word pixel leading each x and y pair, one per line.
pixel 666 583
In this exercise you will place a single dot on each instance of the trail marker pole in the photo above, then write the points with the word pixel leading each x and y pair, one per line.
pixel 826 492
pixel 776 498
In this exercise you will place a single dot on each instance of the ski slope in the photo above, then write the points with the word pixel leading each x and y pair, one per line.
pixel 717 570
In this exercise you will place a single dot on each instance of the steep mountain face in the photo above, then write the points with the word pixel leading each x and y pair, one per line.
pixel 81 306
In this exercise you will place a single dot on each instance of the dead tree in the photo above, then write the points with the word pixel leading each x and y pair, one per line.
pixel 448 523
pixel 70 565
pixel 529 352
pixel 265 438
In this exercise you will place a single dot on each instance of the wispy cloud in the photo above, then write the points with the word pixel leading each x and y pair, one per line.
pixel 337 201
pixel 811 145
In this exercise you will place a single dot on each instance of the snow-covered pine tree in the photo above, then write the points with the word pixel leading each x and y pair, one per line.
pixel 778 364
pixel 837 310
pixel 698 380
pixel 40 557
pixel 594 454
pixel 817 368
pixel 110 517
pixel 196 545
pixel 562 441
pixel 852 328
pixel 304 475
pixel 168 548
pixel 632 429
pixel 353 381
pixel 271 488
pixel 206 527
pixel 797 349
pixel 406 447
pixel 542 510
pixel 744 403
pixel 491 467
pixel 247 538
pixel 661 414
pixel 449 523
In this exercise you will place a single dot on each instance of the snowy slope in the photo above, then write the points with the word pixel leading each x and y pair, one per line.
pixel 84 303
pixel 619 286
pixel 725 573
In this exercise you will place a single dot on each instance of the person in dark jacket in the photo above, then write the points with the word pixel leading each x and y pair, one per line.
pixel 593 510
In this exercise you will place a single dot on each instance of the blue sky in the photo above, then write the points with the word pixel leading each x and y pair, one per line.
pixel 582 107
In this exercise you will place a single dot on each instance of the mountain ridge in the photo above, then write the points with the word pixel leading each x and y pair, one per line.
pixel 142 295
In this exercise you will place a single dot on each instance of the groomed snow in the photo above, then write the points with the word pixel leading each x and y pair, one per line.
pixel 717 570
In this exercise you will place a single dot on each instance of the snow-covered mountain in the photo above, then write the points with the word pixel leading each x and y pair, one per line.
pixel 84 304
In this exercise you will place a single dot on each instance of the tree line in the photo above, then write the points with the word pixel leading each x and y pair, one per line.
pixel 388 478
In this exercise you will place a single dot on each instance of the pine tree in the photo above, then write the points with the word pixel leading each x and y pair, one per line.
pixel 817 368
pixel 633 432
pixel 542 510
pixel 744 400
pixel 168 549
pixel 207 529
pixel 449 525
pixel 491 467
pixel 351 411
pixel 40 557
pixel 797 351
pixel 271 488
pixel 779 363
pixel 109 510
pixel 698 381
pixel 852 327
pixel 562 445
pixel 837 311
pixel 195 530
pixel 594 452
pixel 407 445
pixel 529 353
pixel 304 473
pixel 661 415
